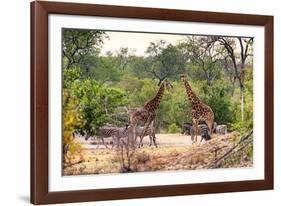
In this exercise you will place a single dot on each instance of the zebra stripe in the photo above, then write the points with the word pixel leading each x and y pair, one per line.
pixel 221 129
pixel 203 130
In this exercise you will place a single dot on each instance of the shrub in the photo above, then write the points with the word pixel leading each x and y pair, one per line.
pixel 72 150
pixel 173 128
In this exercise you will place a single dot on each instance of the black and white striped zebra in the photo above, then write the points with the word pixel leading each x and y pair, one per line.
pixel 186 128
pixel 203 131
pixel 110 132
pixel 221 129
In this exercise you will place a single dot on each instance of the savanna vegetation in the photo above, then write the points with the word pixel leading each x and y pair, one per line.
pixel 103 89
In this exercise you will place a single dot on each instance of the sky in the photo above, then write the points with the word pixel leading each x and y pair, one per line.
pixel 137 41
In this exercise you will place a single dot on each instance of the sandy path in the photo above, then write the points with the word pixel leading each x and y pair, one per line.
pixel 170 140
pixel 162 140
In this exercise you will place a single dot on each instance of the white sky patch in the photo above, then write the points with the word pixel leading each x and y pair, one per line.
pixel 135 41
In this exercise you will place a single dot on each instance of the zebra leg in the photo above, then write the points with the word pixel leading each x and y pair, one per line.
pixel 115 142
pixel 154 140
pixel 98 142
pixel 102 139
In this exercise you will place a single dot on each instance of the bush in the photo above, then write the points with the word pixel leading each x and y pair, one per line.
pixel 72 151
pixel 173 128
pixel 96 103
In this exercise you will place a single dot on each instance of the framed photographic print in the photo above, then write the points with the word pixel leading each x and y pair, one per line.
pixel 131 102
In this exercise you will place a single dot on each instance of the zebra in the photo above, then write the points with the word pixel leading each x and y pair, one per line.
pixel 186 128
pixel 203 130
pixel 149 132
pixel 221 129
pixel 110 131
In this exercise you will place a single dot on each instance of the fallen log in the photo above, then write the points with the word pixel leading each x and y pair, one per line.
pixel 218 161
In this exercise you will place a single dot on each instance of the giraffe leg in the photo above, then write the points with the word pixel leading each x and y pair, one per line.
pixel 201 141
pixel 150 140
pixel 192 134
pixel 136 138
pixel 195 126
pixel 209 123
pixel 134 132
pixel 144 130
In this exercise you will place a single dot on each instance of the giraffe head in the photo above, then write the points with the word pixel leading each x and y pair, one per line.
pixel 183 77
pixel 167 84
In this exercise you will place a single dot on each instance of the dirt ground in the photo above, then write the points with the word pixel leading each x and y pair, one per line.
pixel 174 152
pixel 162 140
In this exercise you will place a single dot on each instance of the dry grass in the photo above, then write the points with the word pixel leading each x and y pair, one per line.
pixel 174 153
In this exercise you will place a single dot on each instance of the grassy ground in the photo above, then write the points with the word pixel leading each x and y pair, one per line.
pixel 174 152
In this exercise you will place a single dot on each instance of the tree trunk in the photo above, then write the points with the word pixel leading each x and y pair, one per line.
pixel 242 89
pixel 242 99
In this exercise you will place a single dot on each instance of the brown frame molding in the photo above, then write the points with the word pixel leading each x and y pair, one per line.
pixel 39 102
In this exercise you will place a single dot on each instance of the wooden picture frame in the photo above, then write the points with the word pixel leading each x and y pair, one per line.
pixel 39 102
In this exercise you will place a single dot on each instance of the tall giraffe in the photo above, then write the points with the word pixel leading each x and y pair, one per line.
pixel 146 114
pixel 200 111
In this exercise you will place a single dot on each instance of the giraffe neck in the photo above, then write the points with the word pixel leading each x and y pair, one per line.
pixel 190 94
pixel 153 104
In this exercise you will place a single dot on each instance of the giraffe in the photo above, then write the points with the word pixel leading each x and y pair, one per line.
pixel 200 111
pixel 146 114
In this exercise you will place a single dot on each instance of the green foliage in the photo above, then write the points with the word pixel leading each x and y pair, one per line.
pixel 166 61
pixel 138 67
pixel 173 128
pixel 173 108
pixel 106 70
pixel 217 97
pixel 96 103
pixel 70 75
pixel 247 124
pixel 138 91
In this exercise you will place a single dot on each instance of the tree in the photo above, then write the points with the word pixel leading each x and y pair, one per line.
pixel 166 61
pixel 77 44
pixel 229 73
pixel 97 104
pixel 203 58
pixel 123 57
pixel 106 70
pixel 216 96
pixel 238 60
